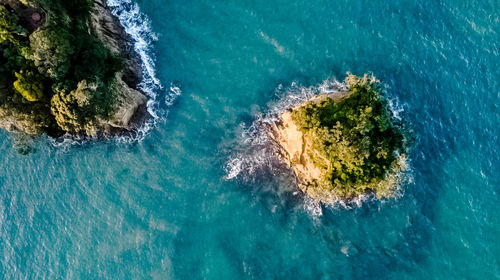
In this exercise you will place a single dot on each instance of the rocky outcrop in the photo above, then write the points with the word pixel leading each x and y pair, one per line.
pixel 131 107
pixel 131 103
pixel 344 145
pixel 118 107
pixel 19 123
pixel 294 150
pixel 109 30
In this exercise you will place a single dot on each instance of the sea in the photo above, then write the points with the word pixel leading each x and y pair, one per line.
pixel 193 197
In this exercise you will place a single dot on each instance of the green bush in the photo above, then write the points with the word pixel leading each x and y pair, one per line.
pixel 29 85
pixel 10 30
pixel 74 110
pixel 52 51
pixel 29 3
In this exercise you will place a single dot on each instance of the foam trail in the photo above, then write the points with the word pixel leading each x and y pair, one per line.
pixel 257 147
pixel 137 25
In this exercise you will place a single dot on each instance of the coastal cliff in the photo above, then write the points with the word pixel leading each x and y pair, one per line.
pixel 342 145
pixel 68 67
pixel 130 101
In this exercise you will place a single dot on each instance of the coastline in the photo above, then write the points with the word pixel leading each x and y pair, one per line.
pixel 117 39
pixel 132 101
pixel 128 16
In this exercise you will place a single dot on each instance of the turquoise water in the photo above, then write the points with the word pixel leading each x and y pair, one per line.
pixel 163 207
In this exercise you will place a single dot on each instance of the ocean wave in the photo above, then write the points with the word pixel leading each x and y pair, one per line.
pixel 257 151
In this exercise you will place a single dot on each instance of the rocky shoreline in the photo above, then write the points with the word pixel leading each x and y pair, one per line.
pixel 131 101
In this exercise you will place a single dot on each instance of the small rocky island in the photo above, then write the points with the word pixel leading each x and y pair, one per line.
pixel 344 144
pixel 67 67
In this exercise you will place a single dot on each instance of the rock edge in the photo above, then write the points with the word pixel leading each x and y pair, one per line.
pixel 131 101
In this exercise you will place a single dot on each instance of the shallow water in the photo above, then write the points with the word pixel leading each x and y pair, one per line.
pixel 162 208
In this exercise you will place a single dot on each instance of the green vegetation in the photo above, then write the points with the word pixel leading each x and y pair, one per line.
pixel 56 76
pixel 29 85
pixel 354 141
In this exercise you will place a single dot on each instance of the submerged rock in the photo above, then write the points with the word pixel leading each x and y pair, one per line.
pixel 343 145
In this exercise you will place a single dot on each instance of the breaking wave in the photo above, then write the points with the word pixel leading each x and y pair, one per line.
pixel 138 26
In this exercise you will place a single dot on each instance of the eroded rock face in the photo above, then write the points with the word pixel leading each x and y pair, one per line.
pixel 19 123
pixel 343 145
pixel 294 147
pixel 131 107
pixel 294 151
pixel 131 102
pixel 110 31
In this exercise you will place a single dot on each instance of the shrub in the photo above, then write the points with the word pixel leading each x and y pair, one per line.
pixel 72 110
pixel 63 73
pixel 52 50
pixel 10 29
pixel 29 85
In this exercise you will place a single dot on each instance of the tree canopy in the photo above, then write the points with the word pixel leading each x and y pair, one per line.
pixel 59 77
pixel 29 85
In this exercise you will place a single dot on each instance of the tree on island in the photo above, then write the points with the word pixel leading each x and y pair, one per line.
pixel 354 144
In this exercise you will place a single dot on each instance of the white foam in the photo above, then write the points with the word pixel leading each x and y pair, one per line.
pixel 273 42
pixel 396 108
pixel 138 26
pixel 312 207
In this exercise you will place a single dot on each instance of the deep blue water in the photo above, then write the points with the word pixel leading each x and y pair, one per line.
pixel 162 207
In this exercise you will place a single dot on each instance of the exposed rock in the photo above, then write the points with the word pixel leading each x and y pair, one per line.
pixel 131 106
pixel 109 30
pixel 131 103
pixel 293 147
pixel 19 123
pixel 339 147
pixel 294 150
